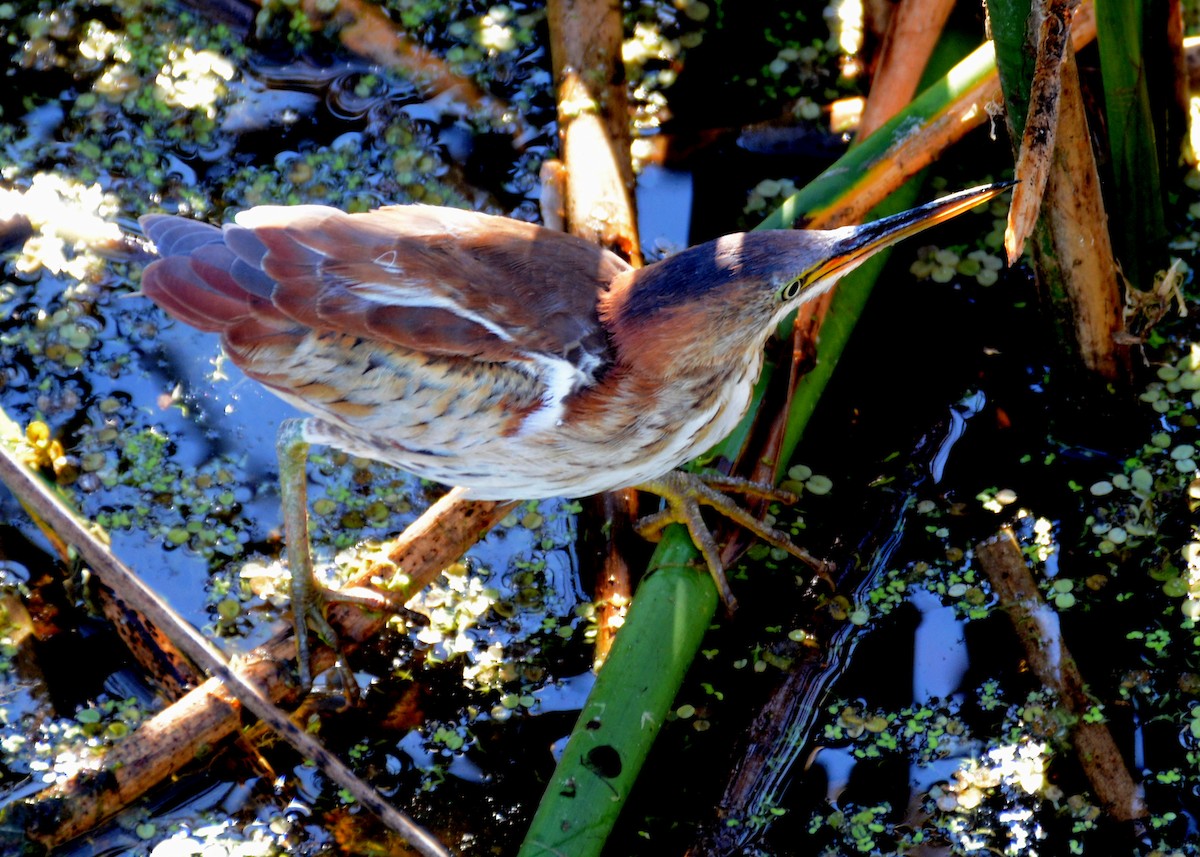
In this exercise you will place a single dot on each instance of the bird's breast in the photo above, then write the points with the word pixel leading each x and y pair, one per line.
pixel 484 426
pixel 644 425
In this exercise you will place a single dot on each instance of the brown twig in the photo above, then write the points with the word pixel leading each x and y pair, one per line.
pixel 593 117
pixel 1036 150
pixel 913 30
pixel 235 687
pixel 1047 655
pixel 443 533
pixel 597 204
pixel 170 671
pixel 780 730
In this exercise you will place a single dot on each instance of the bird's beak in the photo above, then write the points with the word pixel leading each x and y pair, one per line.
pixel 860 242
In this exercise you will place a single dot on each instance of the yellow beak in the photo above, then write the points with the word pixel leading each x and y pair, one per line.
pixel 857 243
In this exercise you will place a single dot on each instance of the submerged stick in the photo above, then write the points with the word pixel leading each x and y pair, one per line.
pixel 775 740
pixel 1036 624
pixel 365 29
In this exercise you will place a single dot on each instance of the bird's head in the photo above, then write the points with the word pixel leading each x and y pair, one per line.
pixel 716 301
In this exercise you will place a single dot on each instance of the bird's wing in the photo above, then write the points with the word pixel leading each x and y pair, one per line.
pixel 438 281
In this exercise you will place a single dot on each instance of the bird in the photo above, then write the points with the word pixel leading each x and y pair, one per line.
pixel 512 360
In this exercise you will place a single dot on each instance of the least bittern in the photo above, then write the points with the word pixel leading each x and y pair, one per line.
pixel 513 360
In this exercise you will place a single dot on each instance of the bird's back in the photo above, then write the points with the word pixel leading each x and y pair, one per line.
pixel 432 339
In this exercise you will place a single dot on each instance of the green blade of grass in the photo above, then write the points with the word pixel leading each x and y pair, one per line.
pixel 632 695
pixel 1136 205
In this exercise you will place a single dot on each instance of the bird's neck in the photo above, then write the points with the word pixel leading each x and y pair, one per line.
pixel 670 419
pixel 680 317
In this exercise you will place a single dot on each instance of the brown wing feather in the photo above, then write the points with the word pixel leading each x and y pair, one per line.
pixel 438 280
pixel 195 281
pixel 295 294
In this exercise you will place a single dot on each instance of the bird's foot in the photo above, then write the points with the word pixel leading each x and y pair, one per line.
pixel 685 492
pixel 310 601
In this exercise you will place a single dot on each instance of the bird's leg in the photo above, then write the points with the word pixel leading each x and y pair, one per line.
pixel 308 597
pixel 686 492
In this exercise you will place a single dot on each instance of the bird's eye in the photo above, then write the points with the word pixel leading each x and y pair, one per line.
pixel 790 290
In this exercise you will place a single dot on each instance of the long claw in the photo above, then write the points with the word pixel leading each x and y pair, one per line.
pixel 686 492
pixel 747 487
